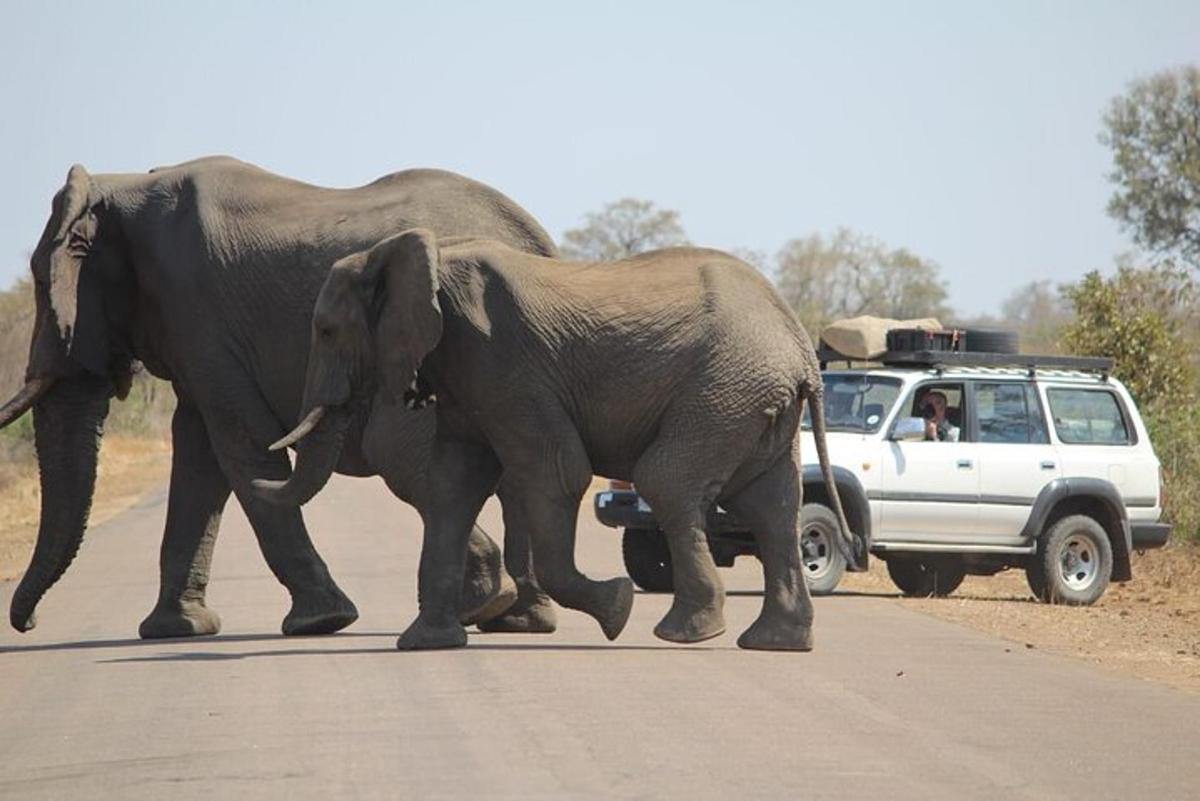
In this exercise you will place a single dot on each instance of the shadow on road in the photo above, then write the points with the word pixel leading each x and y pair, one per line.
pixel 211 656
pixel 85 645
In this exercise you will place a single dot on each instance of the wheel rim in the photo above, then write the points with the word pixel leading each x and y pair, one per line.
pixel 816 553
pixel 1079 562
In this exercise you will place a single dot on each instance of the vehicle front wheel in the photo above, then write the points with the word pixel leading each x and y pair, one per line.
pixel 648 559
pixel 823 562
pixel 1073 564
pixel 917 579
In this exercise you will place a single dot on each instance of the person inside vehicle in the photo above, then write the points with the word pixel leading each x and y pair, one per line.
pixel 937 427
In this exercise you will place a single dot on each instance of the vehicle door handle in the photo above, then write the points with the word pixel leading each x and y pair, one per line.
pixel 965 464
pixel 1048 465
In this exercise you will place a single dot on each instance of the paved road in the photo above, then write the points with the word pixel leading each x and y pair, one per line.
pixel 892 704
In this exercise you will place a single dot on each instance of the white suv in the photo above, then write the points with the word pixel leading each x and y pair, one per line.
pixel 1052 472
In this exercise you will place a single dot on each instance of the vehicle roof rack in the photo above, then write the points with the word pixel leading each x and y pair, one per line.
pixel 935 359
pixel 941 359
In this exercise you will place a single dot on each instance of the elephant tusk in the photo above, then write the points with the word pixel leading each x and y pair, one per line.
pixel 34 388
pixel 301 431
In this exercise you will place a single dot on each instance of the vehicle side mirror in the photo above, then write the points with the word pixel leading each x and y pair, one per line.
pixel 908 429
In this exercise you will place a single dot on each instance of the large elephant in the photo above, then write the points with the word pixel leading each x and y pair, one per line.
pixel 681 370
pixel 207 272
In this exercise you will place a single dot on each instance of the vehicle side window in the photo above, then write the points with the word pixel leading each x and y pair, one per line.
pixel 1088 417
pixel 1003 413
pixel 949 425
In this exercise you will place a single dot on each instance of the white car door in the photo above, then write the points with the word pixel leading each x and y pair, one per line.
pixel 1016 459
pixel 930 490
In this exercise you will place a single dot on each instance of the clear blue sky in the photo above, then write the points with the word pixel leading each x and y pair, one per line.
pixel 965 132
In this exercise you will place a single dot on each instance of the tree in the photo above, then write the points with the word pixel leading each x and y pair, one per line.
pixel 622 229
pixel 1038 313
pixel 1154 133
pixel 1145 320
pixel 1139 318
pixel 851 274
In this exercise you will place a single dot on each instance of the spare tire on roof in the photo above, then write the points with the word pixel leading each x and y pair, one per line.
pixel 991 340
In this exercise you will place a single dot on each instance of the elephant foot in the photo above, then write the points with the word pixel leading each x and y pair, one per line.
pixel 533 613
pixel 687 624
pixel 613 607
pixel 777 634
pixel 320 614
pixel 425 635
pixel 189 619
pixel 502 598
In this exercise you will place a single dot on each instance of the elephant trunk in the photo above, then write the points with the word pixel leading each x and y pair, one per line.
pixel 317 455
pixel 68 421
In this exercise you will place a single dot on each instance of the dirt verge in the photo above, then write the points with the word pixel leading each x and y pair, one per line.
pixel 128 467
pixel 1148 627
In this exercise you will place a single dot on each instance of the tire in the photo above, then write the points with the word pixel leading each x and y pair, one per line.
pixel 824 564
pixel 990 340
pixel 917 579
pixel 1073 564
pixel 647 559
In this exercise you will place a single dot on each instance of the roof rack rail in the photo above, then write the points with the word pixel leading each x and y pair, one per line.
pixel 942 359
pixel 932 358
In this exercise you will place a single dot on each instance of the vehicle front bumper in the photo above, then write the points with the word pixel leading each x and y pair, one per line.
pixel 627 509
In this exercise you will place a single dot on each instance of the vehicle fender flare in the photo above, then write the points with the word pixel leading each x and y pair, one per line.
pixel 1096 489
pixel 854 502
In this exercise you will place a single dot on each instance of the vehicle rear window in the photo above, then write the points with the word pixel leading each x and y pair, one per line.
pixel 1003 412
pixel 1088 417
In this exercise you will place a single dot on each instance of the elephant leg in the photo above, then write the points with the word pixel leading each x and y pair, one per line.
pixel 462 475
pixel 532 612
pixel 318 605
pixel 680 502
pixel 540 506
pixel 488 592
pixel 770 506
pixel 197 495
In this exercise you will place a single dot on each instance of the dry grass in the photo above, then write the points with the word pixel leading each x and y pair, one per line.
pixel 128 467
pixel 1148 627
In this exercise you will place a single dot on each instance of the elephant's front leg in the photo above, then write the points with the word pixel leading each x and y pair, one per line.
pixel 462 474
pixel 318 605
pixel 197 495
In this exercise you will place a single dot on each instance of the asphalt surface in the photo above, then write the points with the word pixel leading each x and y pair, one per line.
pixel 891 704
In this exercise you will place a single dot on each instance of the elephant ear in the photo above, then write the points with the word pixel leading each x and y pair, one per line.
pixel 75 296
pixel 410 319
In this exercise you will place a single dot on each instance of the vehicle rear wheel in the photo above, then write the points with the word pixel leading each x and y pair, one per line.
pixel 823 562
pixel 648 559
pixel 1074 562
pixel 918 579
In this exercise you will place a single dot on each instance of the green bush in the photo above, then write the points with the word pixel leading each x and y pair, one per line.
pixel 1141 318
pixel 1175 432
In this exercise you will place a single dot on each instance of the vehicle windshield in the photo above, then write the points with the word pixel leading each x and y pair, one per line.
pixel 856 401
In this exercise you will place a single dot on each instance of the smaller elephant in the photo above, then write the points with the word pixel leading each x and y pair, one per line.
pixel 681 370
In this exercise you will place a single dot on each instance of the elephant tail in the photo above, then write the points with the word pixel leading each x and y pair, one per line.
pixel 813 392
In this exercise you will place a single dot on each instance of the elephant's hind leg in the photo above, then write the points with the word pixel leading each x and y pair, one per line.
pixel 680 478
pixel 532 612
pixel 770 506
pixel 197 496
